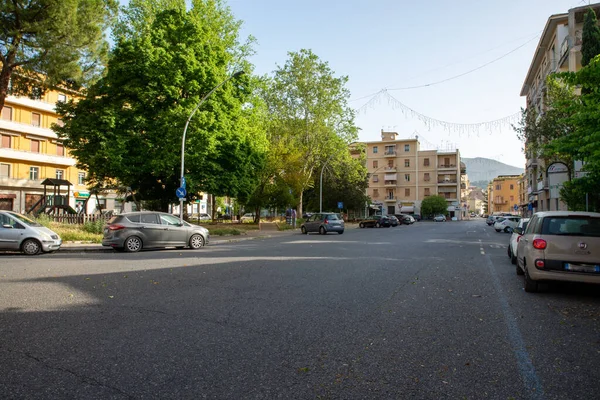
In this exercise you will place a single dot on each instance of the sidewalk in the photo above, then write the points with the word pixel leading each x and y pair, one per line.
pixel 214 240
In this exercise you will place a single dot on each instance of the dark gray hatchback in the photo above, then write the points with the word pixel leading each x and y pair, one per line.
pixel 149 229
pixel 323 223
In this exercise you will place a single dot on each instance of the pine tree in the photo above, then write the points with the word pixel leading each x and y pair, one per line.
pixel 590 47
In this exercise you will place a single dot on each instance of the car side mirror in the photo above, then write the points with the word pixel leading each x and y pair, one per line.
pixel 518 231
pixel 7 226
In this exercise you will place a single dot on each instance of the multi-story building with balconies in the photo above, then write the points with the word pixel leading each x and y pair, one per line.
pixel 401 175
pixel 558 50
pixel 33 161
pixel 503 194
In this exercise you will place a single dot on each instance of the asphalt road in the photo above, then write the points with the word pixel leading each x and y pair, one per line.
pixel 428 311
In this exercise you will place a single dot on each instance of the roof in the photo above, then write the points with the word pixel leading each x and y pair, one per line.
pixel 56 182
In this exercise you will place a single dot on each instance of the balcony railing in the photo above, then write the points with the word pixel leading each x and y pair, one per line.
pixel 447 181
pixel 447 166
pixel 390 183
pixel 390 168
pixel 390 153
pixel 390 198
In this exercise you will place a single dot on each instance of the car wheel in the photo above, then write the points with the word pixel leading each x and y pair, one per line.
pixel 508 229
pixel 133 244
pixel 322 231
pixel 303 230
pixel 518 269
pixel 361 225
pixel 513 259
pixel 377 225
pixel 498 230
pixel 196 241
pixel 340 232
pixel 509 251
pixel 31 247
pixel 531 286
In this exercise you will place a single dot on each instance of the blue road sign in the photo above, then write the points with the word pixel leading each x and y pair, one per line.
pixel 340 204
pixel 180 192
pixel 183 183
pixel 516 207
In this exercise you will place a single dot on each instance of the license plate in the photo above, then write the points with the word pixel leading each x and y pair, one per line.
pixel 582 268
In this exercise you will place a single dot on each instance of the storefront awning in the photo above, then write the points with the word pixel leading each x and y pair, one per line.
pixel 407 209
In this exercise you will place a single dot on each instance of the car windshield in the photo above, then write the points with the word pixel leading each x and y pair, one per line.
pixel 332 217
pixel 571 226
pixel 24 219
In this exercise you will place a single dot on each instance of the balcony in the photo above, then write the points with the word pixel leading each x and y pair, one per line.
pixel 390 183
pixel 447 166
pixel 390 199
pixel 390 153
pixel 451 182
pixel 390 169
pixel 500 202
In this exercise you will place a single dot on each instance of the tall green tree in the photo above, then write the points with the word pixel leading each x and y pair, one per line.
pixel 129 127
pixel 50 43
pixel 434 205
pixel 308 105
pixel 590 36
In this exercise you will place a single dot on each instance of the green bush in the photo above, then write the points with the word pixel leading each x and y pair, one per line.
pixel 94 226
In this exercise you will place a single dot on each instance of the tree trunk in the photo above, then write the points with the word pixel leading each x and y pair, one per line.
pixel 4 82
pixel 300 206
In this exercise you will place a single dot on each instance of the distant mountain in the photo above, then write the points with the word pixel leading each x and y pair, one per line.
pixel 486 169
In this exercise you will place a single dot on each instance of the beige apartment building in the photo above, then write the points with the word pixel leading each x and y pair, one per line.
pixel 401 175
pixel 503 194
pixel 558 50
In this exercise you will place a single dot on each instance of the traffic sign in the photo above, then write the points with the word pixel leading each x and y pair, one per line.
pixel 516 207
pixel 340 204
pixel 183 182
pixel 180 192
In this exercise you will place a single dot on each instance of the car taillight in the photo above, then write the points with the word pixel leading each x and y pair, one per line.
pixel 539 263
pixel 326 221
pixel 115 227
pixel 539 244
pixel 518 238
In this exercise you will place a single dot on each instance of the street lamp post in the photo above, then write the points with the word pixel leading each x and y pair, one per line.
pixel 181 182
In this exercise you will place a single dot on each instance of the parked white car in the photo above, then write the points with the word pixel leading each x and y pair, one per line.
pixel 506 224
pixel 19 233
pixel 514 239
pixel 248 217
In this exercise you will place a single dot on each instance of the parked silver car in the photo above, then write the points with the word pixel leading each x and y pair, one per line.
pixel 19 233
pixel 145 229
pixel 323 223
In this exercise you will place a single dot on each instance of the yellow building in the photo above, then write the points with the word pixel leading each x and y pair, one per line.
pixel 503 194
pixel 558 50
pixel 401 175
pixel 31 153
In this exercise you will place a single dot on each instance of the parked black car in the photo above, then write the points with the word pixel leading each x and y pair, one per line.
pixel 375 221
pixel 393 220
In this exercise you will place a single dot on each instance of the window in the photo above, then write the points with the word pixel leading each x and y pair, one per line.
pixel 427 193
pixel 5 170
pixel 170 220
pixel 446 161
pixel 390 195
pixel 7 113
pixel 407 177
pixel 375 164
pixel 374 149
pixel 34 173
pixel 81 178
pixel 498 187
pixel 426 177
pixel 407 147
pixel 390 150
pixel 512 198
pixel 407 192
pixel 512 187
pixel 6 141
pixel 391 163
pixel 375 178
pixel 35 119
pixel 62 97
pixel 60 174
pixel 60 149
pixel 426 162
pixel 35 146
pixel 407 163
pixel 375 192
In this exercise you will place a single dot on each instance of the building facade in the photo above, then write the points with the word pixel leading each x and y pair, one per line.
pixel 31 154
pixel 503 194
pixel 558 50
pixel 401 175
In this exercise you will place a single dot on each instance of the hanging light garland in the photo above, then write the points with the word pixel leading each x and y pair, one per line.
pixel 450 127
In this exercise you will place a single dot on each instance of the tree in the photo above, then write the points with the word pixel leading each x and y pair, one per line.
pixel 309 107
pixel 52 43
pixel 590 36
pixel 129 127
pixel 433 205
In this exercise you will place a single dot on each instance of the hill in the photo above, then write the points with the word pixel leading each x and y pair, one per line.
pixel 482 170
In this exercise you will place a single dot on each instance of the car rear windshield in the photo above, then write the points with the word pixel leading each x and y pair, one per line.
pixel 571 226
pixel 332 217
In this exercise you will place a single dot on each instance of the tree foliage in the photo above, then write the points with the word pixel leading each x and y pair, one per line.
pixel 590 46
pixel 52 43
pixel 434 205
pixel 129 127
pixel 309 113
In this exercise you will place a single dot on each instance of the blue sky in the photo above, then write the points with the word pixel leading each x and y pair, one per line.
pixel 386 44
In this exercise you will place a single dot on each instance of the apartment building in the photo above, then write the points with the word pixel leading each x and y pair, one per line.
pixel 33 161
pixel 401 175
pixel 558 50
pixel 503 194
